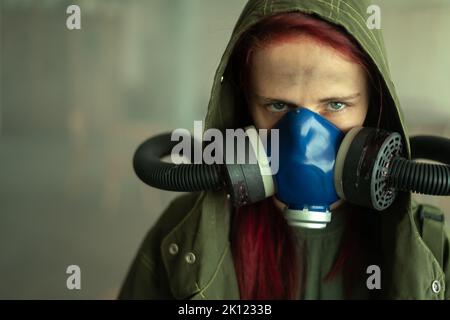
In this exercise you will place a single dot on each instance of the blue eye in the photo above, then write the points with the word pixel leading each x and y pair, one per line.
pixel 277 107
pixel 336 106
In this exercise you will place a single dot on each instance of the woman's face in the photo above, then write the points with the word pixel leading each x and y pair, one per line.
pixel 304 73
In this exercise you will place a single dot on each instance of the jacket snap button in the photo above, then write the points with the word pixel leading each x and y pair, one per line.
pixel 173 249
pixel 190 258
pixel 221 79
pixel 436 286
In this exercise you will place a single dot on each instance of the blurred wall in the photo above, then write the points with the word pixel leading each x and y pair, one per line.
pixel 75 104
pixel 416 35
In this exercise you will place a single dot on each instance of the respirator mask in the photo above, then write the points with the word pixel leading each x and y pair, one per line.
pixel 308 166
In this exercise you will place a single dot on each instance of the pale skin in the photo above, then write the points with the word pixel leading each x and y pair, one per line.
pixel 303 73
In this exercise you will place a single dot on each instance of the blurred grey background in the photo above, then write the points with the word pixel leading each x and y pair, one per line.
pixel 74 105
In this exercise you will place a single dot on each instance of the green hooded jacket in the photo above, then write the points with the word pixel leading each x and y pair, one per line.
pixel 186 254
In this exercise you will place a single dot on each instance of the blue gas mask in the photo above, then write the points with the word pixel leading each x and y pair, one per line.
pixel 308 146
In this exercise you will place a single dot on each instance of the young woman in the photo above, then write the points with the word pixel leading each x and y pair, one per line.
pixel 284 55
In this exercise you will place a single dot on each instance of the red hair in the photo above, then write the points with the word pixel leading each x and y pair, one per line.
pixel 265 255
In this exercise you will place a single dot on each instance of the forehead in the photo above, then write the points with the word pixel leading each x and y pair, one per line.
pixel 303 61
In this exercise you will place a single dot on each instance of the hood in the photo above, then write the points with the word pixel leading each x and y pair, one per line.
pixel 349 14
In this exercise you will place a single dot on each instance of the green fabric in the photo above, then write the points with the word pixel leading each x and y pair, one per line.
pixel 322 250
pixel 433 231
pixel 319 248
pixel 199 223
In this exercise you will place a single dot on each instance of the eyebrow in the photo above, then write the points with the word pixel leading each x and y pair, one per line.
pixel 328 99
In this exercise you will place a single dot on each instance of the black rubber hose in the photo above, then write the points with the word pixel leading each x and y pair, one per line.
pixel 424 178
pixel 430 147
pixel 173 177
